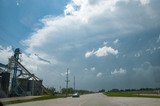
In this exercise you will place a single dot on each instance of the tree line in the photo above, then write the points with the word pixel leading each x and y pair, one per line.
pixel 141 89
pixel 70 90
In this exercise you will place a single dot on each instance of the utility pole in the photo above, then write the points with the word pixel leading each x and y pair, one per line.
pixel 67 80
pixel 60 89
pixel 74 85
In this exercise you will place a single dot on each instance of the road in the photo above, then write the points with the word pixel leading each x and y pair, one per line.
pixel 95 100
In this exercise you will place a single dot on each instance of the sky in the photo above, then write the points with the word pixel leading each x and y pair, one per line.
pixel 106 44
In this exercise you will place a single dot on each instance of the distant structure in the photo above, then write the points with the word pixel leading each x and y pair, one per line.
pixel 74 84
pixel 16 80
pixel 67 81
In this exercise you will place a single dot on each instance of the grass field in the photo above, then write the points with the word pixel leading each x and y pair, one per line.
pixel 132 94
pixel 45 97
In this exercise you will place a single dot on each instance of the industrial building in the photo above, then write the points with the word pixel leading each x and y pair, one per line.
pixel 16 80
pixel 29 86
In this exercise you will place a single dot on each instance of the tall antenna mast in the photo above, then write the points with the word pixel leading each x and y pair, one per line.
pixel 67 80
pixel 74 84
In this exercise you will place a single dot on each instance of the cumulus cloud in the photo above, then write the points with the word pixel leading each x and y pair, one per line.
pixel 99 75
pixel 85 22
pixel 85 69
pixel 104 51
pixel 121 71
pixel 137 55
pixel 17 2
pixel 116 41
pixel 89 54
pixel 98 17
pixel 93 69
pixel 5 54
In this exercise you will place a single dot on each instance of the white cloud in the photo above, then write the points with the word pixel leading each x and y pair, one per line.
pixel 104 51
pixel 85 22
pixel 99 75
pixel 93 69
pixel 85 69
pixel 152 50
pixel 69 9
pixel 121 71
pixel 137 55
pixel 87 17
pixel 17 2
pixel 32 62
pixel 89 54
pixel 88 8
pixel 116 41
pixel 92 16
pixel 5 54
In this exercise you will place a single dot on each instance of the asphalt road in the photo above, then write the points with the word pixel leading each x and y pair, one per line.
pixel 95 100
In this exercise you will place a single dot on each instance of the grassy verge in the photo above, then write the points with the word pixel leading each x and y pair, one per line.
pixel 129 94
pixel 45 97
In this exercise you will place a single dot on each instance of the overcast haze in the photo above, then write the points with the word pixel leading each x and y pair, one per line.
pixel 105 43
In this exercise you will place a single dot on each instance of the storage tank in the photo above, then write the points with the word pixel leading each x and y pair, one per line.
pixel 35 87
pixel 4 82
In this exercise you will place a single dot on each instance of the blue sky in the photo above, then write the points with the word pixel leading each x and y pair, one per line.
pixel 20 17
pixel 105 43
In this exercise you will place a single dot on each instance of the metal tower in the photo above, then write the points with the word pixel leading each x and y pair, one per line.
pixel 74 84
pixel 67 80
pixel 15 68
